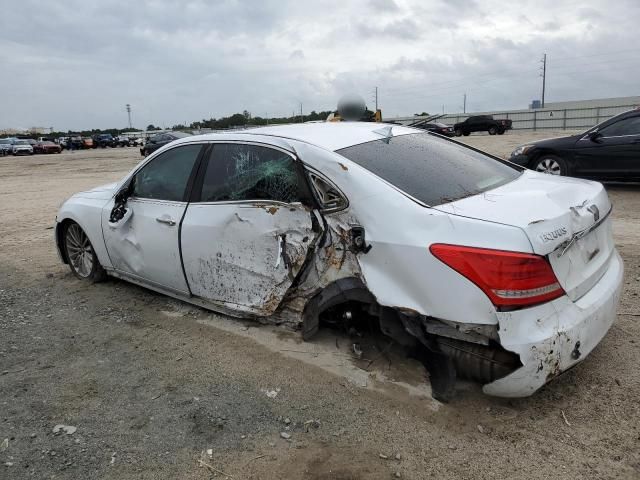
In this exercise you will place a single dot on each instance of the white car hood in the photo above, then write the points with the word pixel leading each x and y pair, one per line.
pixel 103 192
pixel 548 208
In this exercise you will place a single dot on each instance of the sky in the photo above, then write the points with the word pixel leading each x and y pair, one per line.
pixel 75 64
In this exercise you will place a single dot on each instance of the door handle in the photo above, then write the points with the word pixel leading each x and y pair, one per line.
pixel 166 221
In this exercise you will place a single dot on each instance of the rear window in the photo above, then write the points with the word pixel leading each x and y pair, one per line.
pixel 431 169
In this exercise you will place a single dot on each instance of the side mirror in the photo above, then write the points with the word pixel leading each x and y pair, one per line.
pixel 595 136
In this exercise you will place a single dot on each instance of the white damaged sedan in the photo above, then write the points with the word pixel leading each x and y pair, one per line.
pixel 494 273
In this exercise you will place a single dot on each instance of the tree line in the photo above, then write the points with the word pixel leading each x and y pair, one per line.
pixel 234 121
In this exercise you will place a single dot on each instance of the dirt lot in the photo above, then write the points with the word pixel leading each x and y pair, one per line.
pixel 151 384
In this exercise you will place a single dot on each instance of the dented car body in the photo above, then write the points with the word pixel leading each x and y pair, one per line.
pixel 494 273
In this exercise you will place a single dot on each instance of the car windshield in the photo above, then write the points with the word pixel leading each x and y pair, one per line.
pixel 21 142
pixel 5 140
pixel 430 169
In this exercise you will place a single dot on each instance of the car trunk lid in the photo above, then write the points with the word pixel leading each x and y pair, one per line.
pixel 565 219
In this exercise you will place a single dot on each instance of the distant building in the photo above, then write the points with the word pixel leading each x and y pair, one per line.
pixel 24 131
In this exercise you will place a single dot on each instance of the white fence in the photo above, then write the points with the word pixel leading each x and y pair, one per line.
pixel 543 118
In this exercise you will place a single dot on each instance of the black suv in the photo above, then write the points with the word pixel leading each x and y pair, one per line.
pixel 482 123
pixel 160 140
pixel 104 140
pixel 608 151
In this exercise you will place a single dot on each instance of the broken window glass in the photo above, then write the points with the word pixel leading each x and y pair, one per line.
pixel 250 172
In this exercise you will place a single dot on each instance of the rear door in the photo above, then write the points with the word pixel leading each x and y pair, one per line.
pixel 248 229
pixel 145 243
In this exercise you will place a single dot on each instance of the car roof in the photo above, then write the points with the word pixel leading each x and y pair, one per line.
pixel 329 135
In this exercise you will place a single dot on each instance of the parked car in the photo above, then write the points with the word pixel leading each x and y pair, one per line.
pixel 5 145
pixel 432 240
pixel 21 147
pixel 136 141
pixel 160 140
pixel 482 123
pixel 436 127
pixel 122 141
pixel 75 143
pixel 31 142
pixel 62 141
pixel 87 142
pixel 608 151
pixel 104 140
pixel 47 147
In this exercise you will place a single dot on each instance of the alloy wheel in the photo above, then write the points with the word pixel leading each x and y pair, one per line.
pixel 79 250
pixel 549 165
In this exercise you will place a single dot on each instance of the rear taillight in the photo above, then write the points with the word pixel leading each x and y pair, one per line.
pixel 509 279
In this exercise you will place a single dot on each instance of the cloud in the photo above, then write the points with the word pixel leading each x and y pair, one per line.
pixel 384 5
pixel 75 64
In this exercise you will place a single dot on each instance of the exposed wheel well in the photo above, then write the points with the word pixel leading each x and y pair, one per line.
pixel 60 229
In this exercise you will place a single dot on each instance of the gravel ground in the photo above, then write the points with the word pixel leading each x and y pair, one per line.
pixel 159 389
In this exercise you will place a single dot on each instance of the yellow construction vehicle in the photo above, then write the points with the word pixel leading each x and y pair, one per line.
pixel 351 108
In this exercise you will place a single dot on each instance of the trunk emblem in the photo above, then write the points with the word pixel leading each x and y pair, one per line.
pixel 553 235
pixel 595 211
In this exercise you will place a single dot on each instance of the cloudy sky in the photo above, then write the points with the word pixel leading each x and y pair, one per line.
pixel 74 64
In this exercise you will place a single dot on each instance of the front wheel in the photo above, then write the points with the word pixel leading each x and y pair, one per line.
pixel 551 165
pixel 493 130
pixel 458 132
pixel 82 258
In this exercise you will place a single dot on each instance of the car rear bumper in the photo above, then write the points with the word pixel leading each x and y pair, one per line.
pixel 553 337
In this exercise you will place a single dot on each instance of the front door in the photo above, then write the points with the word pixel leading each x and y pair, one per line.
pixel 144 244
pixel 249 228
pixel 614 154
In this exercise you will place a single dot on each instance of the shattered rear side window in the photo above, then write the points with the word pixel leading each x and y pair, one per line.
pixel 250 172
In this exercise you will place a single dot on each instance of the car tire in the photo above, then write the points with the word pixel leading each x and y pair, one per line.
pixel 550 164
pixel 492 130
pixel 81 256
pixel 458 132
pixel 466 134
pixel 501 132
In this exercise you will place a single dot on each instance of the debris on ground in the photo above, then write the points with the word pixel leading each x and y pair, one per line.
pixel 285 435
pixel 270 393
pixel 68 429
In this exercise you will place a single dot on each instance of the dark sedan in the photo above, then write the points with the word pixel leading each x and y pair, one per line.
pixel 436 127
pixel 160 140
pixel 608 151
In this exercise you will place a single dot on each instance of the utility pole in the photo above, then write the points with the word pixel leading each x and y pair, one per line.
pixel 129 115
pixel 544 75
pixel 464 103
pixel 301 117
pixel 376 99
